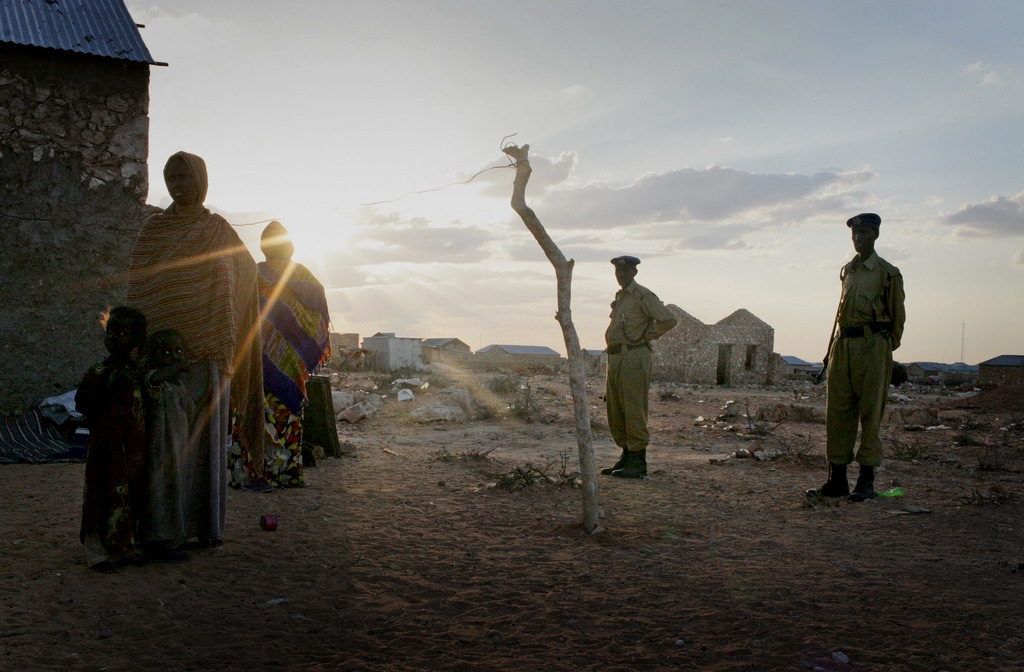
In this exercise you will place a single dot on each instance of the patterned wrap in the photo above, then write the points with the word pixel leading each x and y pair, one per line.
pixel 190 271
pixel 295 326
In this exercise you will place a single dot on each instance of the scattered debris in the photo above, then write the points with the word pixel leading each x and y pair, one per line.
pixel 907 508
pixel 528 475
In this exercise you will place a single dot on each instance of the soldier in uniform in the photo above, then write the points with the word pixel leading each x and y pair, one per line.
pixel 638 317
pixel 859 362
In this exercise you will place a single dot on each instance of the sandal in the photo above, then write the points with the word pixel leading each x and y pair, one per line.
pixel 170 557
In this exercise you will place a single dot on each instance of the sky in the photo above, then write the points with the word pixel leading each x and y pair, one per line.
pixel 723 143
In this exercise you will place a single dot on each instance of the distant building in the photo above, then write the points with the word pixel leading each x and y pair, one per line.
pixel 346 355
pixel 595 362
pixel 936 373
pixel 519 358
pixel 794 368
pixel 343 341
pixel 450 351
pixel 391 352
pixel 1002 370
pixel 737 350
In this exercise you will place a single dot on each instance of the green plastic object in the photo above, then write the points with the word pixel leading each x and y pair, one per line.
pixel 895 492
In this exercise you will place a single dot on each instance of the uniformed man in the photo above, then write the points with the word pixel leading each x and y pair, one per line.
pixel 859 362
pixel 638 317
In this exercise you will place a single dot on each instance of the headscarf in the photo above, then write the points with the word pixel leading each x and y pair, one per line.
pixel 296 322
pixel 190 271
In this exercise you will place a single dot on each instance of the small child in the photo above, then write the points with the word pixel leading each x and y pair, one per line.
pixel 165 526
pixel 110 398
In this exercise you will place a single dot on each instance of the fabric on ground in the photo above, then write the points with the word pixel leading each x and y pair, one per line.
pixel 32 439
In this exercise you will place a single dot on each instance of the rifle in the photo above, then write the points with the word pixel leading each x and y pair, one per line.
pixel 832 337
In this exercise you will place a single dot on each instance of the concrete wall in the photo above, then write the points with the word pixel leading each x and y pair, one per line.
pixel 74 143
pixel 394 353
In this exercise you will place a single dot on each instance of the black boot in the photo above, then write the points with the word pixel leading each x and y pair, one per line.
pixel 835 486
pixel 635 465
pixel 607 471
pixel 865 488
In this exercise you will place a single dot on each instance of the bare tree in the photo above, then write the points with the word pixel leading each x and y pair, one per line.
pixel 577 375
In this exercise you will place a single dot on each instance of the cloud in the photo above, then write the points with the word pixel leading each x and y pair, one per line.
pixel 1018 259
pixel 987 72
pixel 717 237
pixel 714 208
pixel 712 196
pixel 1000 217
pixel 547 173
pixel 389 238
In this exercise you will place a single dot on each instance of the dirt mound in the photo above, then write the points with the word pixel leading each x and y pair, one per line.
pixel 1003 399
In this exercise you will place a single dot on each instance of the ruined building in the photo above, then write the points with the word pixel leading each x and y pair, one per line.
pixel 737 350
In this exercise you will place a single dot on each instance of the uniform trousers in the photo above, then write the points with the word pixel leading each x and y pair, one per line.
pixel 859 372
pixel 627 383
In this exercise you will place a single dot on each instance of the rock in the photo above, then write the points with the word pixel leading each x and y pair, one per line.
pixel 895 415
pixel 342 398
pixel 408 382
pixel 357 412
pixel 405 394
pixel 438 414
pixel 456 396
pixel 790 413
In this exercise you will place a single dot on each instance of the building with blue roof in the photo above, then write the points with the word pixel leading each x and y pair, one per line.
pixel 1002 370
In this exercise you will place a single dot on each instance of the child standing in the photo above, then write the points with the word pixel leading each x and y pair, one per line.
pixel 110 398
pixel 165 522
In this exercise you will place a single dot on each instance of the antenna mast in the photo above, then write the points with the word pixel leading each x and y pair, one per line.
pixel 962 323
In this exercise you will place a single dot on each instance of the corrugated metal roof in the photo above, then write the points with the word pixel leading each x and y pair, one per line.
pixel 1005 360
pixel 437 342
pixel 521 349
pixel 94 27
pixel 959 367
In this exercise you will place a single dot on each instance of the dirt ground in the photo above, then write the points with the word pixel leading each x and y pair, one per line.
pixel 459 546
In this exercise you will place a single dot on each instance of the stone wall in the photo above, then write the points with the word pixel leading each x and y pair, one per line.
pixel 497 359
pixel 74 142
pixel 738 350
pixel 996 376
pixel 447 356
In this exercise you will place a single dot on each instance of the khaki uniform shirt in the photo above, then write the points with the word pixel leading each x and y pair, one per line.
pixel 638 316
pixel 873 293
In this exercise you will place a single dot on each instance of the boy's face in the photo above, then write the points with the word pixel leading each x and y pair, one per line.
pixel 121 337
pixel 171 350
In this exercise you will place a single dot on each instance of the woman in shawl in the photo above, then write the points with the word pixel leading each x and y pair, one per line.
pixel 190 271
pixel 295 325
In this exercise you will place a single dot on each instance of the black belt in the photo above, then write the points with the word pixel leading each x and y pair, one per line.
pixel 623 347
pixel 865 329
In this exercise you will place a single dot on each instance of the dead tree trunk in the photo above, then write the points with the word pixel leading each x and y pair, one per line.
pixel 577 375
